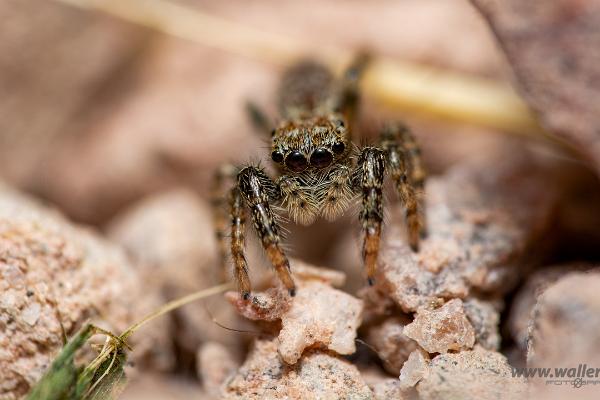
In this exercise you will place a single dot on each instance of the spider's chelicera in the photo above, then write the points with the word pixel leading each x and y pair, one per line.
pixel 320 172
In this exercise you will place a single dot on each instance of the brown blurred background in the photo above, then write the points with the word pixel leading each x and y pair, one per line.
pixel 96 112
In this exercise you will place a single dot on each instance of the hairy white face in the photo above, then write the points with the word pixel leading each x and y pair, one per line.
pixel 310 143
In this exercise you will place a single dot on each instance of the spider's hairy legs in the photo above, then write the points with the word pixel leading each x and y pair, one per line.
pixel 349 93
pixel 257 190
pixel 369 179
pixel 417 173
pixel 238 220
pixel 400 167
pixel 223 181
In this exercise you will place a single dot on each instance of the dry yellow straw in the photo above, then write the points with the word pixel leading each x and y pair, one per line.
pixel 400 86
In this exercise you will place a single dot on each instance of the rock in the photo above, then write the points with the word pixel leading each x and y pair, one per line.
pixel 387 389
pixel 170 234
pixel 55 272
pixel 378 305
pixel 520 313
pixel 317 375
pixel 485 318
pixel 308 272
pixel 317 315
pixel 56 90
pixel 553 48
pixel 443 329
pixel 482 216
pixel 414 369
pixel 474 374
pixel 153 386
pixel 171 237
pixel 214 364
pixel 565 328
pixel 268 306
pixel 392 345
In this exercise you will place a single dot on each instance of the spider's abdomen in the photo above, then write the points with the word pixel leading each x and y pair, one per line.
pixel 305 87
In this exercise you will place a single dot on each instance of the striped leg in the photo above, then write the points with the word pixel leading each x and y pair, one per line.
pixel 417 173
pixel 238 221
pixel 398 166
pixel 257 189
pixel 369 176
pixel 223 181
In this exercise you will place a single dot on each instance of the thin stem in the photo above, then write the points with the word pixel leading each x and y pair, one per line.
pixel 176 304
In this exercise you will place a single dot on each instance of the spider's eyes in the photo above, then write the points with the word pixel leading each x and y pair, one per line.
pixel 320 158
pixel 277 156
pixel 273 132
pixel 296 161
pixel 339 123
pixel 338 148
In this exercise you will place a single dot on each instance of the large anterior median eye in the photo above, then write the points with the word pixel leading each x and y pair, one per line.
pixel 320 158
pixel 296 161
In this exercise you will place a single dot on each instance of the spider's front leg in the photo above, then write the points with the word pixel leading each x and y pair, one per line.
pixel 369 179
pixel 404 165
pixel 257 190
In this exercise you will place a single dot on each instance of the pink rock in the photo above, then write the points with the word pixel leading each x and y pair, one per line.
pixel 565 325
pixel 475 374
pixel 524 302
pixel 392 345
pixel 388 389
pixel 317 375
pixel 317 315
pixel 485 318
pixel 214 364
pixel 414 369
pixel 443 329
pixel 54 272
pixel 481 216
pixel 564 332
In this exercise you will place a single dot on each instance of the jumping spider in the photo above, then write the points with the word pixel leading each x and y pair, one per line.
pixel 320 170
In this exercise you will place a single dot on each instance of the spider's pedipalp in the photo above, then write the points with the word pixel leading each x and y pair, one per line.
pixel 257 190
pixel 369 178
pixel 336 195
pixel 301 204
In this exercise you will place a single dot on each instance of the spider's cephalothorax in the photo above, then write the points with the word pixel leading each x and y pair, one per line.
pixel 320 171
